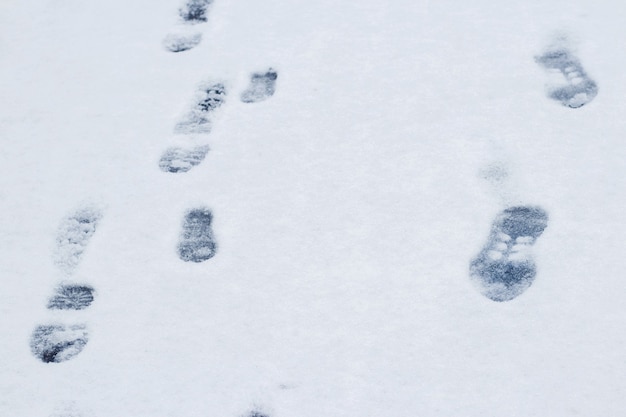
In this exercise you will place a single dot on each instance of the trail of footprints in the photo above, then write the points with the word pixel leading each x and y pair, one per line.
pixel 58 342
pixel 197 123
pixel 197 242
pixel 502 270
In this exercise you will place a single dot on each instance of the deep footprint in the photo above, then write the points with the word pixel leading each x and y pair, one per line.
pixel 262 86
pixel 57 343
pixel 198 120
pixel 74 234
pixel 197 243
pixel 504 268
pixel 182 160
pixel 71 297
pixel 578 89
pixel 195 11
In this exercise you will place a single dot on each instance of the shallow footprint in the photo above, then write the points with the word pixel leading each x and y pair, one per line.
pixel 578 88
pixel 197 243
pixel 182 160
pixel 73 236
pixel 262 86
pixel 504 268
pixel 185 37
pixel 71 297
pixel 198 120
pixel 58 343
pixel 181 41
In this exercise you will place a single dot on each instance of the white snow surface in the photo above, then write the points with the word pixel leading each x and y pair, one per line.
pixel 347 208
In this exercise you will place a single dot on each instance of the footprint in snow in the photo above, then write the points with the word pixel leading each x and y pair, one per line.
pixel 53 343
pixel 197 243
pixel 262 86
pixel 58 343
pixel 71 297
pixel 185 36
pixel 504 268
pixel 73 235
pixel 575 88
pixel 197 121
pixel 182 159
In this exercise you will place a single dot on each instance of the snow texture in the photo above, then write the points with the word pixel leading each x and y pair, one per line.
pixel 504 269
pixel 68 410
pixel 58 343
pixel 262 86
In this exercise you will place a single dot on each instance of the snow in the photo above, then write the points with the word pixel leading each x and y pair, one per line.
pixel 346 209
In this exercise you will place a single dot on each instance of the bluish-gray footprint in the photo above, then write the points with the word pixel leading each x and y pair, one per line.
pixel 58 343
pixel 579 89
pixel 504 268
pixel 198 119
pixel 197 243
pixel 186 38
pixel 71 297
pixel 262 86
pixel 74 234
pixel 179 160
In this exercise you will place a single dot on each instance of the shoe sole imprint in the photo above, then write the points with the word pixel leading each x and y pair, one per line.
pixel 71 297
pixel 179 160
pixel 197 243
pixel 74 234
pixel 57 343
pixel 199 118
pixel 193 12
pixel 504 268
pixel 262 86
pixel 579 88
